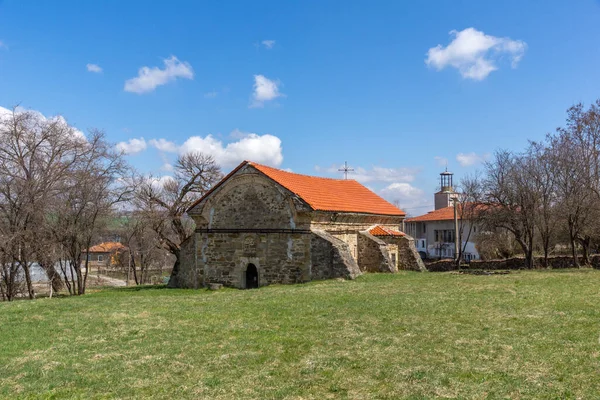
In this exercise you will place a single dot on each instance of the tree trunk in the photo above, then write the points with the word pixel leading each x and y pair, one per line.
pixel 30 291
pixel 585 247
pixel 173 280
pixel 133 268
pixel 529 258
pixel 573 247
pixel 528 251
pixel 53 276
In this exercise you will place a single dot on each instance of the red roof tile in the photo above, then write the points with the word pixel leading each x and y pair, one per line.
pixel 379 230
pixel 323 194
pixel 442 214
pixel 447 213
pixel 107 247
pixel 326 194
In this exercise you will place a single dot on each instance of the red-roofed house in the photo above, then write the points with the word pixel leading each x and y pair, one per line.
pixel 434 232
pixel 104 254
pixel 262 225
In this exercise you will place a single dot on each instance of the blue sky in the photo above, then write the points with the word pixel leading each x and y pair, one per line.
pixel 307 85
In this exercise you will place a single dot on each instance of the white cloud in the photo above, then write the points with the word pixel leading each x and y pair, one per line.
pixel 470 159
pixel 163 145
pixel 6 113
pixel 133 146
pixel 160 181
pixel 264 90
pixel 149 79
pixel 404 194
pixel 3 45
pixel 474 53
pixel 264 149
pixel 94 68
pixel 375 174
pixel 441 161
pixel 211 95
pixel 268 43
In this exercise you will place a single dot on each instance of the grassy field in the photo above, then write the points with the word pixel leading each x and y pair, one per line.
pixel 410 335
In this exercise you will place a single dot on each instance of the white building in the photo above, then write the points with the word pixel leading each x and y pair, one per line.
pixel 434 232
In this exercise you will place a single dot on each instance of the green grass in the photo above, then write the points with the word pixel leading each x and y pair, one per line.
pixel 410 335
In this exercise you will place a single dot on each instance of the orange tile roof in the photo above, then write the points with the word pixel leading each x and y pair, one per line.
pixel 323 194
pixel 379 230
pixel 326 194
pixel 443 214
pixel 446 213
pixel 107 247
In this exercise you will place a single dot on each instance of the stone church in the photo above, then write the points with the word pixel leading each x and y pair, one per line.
pixel 261 226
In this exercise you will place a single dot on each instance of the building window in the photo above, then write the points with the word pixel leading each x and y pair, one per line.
pixel 393 258
pixel 100 258
pixel 444 236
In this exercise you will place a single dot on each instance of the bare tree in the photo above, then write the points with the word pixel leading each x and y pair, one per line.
pixel 143 244
pixel 94 186
pixel 35 155
pixel 572 188
pixel 577 151
pixel 512 201
pixel 469 204
pixel 165 202
pixel 540 171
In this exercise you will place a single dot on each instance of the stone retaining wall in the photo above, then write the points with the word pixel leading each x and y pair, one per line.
pixel 515 263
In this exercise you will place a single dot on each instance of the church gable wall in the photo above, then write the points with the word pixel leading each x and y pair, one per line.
pixel 250 203
pixel 250 200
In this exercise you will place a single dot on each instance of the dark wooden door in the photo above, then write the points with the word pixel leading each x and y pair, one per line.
pixel 251 277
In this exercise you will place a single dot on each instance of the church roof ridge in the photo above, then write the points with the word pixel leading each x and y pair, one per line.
pixel 323 194
pixel 337 195
pixel 296 173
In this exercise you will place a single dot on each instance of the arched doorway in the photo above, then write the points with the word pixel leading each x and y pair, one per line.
pixel 251 277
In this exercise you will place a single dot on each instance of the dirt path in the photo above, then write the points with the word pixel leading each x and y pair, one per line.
pixel 106 280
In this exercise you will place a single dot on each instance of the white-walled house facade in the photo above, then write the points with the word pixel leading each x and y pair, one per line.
pixel 434 235
pixel 434 232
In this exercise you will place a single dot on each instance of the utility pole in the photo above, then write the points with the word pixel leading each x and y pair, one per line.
pixel 456 244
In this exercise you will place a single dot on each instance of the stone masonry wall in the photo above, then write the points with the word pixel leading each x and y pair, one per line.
pixel 515 263
pixel 408 256
pixel 250 219
pixel 331 258
pixel 188 277
pixel 224 257
pixel 373 255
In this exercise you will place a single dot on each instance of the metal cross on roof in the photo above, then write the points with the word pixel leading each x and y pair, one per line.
pixel 346 169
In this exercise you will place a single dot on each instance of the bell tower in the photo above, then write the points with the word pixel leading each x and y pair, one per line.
pixel 444 197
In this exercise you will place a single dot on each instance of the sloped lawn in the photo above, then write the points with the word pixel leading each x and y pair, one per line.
pixel 528 334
